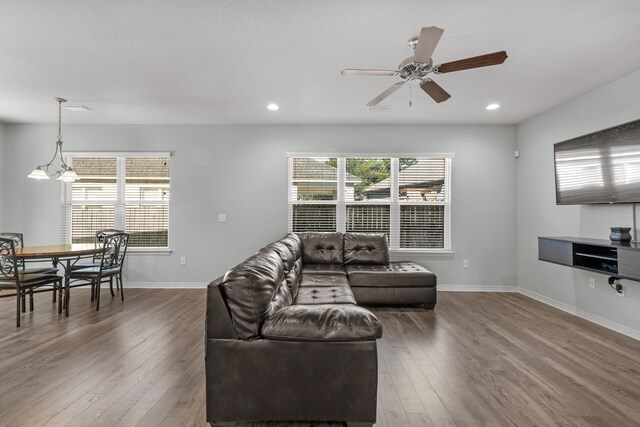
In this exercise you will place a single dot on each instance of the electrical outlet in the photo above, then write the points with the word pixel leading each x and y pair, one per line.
pixel 592 282
pixel 183 260
pixel 465 263
pixel 222 217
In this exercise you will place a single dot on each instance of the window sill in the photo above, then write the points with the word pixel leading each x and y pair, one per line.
pixel 149 251
pixel 422 252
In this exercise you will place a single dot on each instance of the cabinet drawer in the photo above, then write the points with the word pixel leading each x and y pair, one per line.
pixel 555 251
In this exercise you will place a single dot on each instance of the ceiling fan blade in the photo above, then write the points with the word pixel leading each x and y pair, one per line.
pixel 475 62
pixel 427 42
pixel 383 95
pixel 367 72
pixel 434 90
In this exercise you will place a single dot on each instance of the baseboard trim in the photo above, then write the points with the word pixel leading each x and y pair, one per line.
pixel 480 288
pixel 553 303
pixel 593 318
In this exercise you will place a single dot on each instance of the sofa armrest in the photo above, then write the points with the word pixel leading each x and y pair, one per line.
pixel 324 322
pixel 218 320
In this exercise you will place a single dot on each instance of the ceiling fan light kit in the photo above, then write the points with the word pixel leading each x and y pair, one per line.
pixel 417 68
pixel 64 172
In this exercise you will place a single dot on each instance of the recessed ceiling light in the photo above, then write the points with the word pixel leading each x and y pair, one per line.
pixel 493 106
pixel 273 107
pixel 79 108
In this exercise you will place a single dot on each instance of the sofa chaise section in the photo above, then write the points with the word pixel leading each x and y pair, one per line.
pixel 401 282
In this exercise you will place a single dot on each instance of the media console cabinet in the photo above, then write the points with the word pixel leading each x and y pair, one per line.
pixel 620 260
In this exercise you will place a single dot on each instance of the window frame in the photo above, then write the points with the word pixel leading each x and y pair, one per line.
pixel 394 204
pixel 120 203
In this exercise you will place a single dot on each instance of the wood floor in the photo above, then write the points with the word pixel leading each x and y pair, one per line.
pixel 478 359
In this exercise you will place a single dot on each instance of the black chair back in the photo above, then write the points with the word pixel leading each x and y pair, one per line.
pixel 113 251
pixel 18 239
pixel 99 239
pixel 8 260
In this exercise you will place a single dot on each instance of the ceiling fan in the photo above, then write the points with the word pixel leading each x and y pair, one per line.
pixel 416 69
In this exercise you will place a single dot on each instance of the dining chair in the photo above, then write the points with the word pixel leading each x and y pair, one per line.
pixel 13 277
pixel 18 238
pixel 95 262
pixel 114 249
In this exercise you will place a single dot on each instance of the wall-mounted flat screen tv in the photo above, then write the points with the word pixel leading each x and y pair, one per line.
pixel 602 167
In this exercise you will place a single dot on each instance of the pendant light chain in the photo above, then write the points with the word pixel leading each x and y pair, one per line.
pixel 59 119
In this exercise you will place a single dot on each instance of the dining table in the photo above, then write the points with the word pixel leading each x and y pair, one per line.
pixel 63 255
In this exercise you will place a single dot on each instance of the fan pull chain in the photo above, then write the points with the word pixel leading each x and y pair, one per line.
pixel 410 96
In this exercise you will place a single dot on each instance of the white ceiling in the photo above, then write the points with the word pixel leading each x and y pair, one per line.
pixel 223 61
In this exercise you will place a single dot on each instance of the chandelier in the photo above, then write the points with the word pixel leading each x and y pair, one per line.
pixel 63 172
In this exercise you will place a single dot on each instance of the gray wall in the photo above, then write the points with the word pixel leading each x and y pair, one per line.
pixel 242 171
pixel 2 173
pixel 538 214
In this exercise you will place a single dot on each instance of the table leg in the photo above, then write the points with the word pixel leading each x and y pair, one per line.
pixel 55 265
pixel 67 279
pixel 66 298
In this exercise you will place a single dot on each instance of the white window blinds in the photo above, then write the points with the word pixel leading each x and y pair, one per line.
pixel 127 192
pixel 407 198
pixel 313 193
pixel 146 214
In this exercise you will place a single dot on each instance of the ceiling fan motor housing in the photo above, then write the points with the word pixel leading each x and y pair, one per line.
pixel 413 71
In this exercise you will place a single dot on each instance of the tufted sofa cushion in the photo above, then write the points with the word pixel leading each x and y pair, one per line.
pixel 324 280
pixel 322 248
pixel 329 269
pixel 322 323
pixel 312 295
pixel 366 248
pixel 398 274
pixel 249 289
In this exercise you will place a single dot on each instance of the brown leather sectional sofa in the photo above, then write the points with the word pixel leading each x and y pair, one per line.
pixel 285 338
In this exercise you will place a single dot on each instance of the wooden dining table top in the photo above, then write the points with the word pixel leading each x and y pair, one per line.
pixel 59 250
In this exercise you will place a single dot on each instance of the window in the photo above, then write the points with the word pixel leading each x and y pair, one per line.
pixel 407 198
pixel 124 191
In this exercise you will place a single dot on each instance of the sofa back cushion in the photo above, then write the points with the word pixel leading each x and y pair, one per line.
pixel 284 253
pixel 366 248
pixel 249 289
pixel 292 242
pixel 322 248
pixel 281 298
pixel 293 278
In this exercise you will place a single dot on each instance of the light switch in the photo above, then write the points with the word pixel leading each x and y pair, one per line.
pixel 222 217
